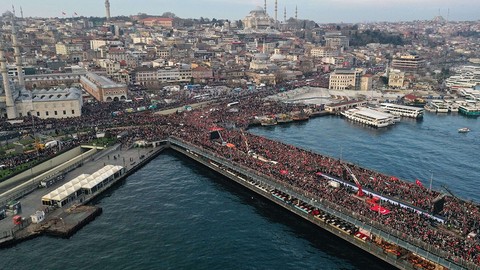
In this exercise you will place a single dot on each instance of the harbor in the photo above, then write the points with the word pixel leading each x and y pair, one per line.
pixel 230 153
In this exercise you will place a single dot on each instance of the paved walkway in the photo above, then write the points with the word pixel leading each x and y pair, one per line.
pixel 32 202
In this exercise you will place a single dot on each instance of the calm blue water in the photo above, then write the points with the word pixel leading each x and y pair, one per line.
pixel 173 214
pixel 411 149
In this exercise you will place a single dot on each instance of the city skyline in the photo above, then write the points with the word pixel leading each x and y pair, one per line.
pixel 328 11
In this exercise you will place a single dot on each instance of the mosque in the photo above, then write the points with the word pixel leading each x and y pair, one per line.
pixel 16 101
pixel 258 19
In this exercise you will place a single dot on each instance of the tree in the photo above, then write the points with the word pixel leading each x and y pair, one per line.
pixel 169 15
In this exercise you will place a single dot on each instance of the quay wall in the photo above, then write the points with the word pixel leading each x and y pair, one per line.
pixel 239 174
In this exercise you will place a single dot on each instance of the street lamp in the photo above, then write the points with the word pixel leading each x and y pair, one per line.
pixel 431 179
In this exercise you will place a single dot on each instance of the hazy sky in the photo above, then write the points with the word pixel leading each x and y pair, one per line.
pixel 318 10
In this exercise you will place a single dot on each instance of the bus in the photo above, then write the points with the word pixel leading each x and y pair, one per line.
pixel 232 104
pixel 204 96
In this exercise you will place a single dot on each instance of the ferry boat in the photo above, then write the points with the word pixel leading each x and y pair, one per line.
pixel 369 117
pixel 453 107
pixel 430 108
pixel 463 130
pixel 469 110
pixel 402 110
pixel 439 105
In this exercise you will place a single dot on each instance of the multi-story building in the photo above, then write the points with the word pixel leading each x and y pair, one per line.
pixel 175 74
pixel 324 52
pixel 200 73
pixel 366 82
pixel 102 88
pixel 155 21
pixel 68 48
pixel 122 56
pixel 146 76
pixel 411 63
pixel 342 79
pixel 396 78
pixel 153 77
pixel 110 66
pixel 335 40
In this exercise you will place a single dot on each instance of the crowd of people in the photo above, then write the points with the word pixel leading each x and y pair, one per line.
pixel 299 169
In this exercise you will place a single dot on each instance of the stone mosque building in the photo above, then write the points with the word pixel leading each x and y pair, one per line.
pixel 17 102
pixel 258 19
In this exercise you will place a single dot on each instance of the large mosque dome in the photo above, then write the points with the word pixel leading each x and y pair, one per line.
pixel 258 19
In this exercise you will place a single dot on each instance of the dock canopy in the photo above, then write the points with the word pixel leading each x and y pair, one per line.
pixel 82 184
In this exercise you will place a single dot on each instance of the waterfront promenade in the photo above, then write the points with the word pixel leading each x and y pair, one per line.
pixel 32 202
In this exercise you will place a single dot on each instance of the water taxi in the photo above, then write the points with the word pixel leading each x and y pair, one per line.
pixel 463 130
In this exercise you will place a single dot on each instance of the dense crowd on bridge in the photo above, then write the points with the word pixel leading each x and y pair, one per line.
pixel 299 169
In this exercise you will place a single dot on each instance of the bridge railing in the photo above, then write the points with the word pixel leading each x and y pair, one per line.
pixel 401 239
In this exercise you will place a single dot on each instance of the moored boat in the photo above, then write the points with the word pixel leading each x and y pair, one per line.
pixel 402 110
pixel 284 118
pixel 469 110
pixel 300 116
pixel 268 122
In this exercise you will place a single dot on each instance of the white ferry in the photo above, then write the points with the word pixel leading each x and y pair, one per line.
pixel 369 117
pixel 402 110
pixel 453 107
pixel 439 105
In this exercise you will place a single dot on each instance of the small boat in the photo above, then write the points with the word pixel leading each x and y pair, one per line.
pixel 463 130
pixel 268 122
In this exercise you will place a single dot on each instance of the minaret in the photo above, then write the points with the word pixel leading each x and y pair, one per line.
pixel 18 55
pixel 10 104
pixel 21 12
pixel 285 15
pixel 276 13
pixel 296 12
pixel 107 8
pixel 265 6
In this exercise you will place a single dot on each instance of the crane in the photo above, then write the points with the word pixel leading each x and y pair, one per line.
pixel 359 186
